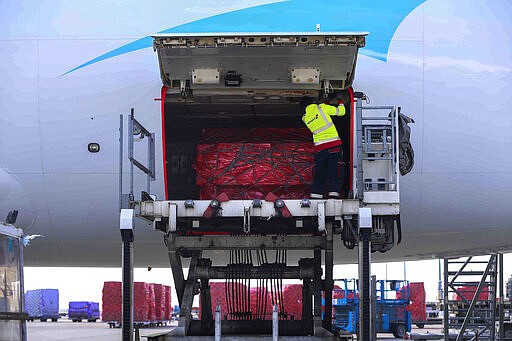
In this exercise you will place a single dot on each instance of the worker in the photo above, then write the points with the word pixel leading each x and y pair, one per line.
pixel 328 168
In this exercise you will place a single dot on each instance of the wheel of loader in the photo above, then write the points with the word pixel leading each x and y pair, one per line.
pixel 399 331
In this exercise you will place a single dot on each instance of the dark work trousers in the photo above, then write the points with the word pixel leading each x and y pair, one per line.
pixel 328 170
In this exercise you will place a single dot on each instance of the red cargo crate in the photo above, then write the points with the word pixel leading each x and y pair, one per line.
pixel 151 302
pixel 231 306
pixel 141 302
pixel 168 302
pixel 261 304
pixel 159 302
pixel 292 297
pixel 111 302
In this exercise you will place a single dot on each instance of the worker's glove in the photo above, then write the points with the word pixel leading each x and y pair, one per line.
pixel 333 101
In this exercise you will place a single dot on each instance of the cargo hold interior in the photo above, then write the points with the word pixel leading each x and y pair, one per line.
pixel 185 120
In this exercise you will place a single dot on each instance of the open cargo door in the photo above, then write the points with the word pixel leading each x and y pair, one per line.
pixel 245 81
pixel 257 66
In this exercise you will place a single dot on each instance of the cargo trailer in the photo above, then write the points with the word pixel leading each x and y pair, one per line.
pixel 42 304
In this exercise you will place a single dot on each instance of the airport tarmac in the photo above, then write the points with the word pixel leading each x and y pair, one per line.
pixel 65 330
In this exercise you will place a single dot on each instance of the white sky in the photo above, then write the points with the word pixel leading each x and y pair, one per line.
pixel 86 284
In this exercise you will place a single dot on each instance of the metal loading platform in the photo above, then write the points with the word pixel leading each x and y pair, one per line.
pixel 256 256
pixel 266 241
pixel 252 239
pixel 257 253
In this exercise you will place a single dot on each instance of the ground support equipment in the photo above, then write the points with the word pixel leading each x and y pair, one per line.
pixel 473 288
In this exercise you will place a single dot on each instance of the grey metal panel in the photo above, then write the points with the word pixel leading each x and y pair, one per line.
pixel 289 242
pixel 265 61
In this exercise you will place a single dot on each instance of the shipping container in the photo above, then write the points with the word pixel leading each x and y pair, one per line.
pixel 42 304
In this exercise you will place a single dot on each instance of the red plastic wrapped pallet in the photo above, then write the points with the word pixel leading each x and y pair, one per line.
pixel 418 305
pixel 468 292
pixel 159 302
pixel 261 304
pixel 250 163
pixel 338 292
pixel 168 302
pixel 111 302
pixel 152 302
pixel 292 297
pixel 141 301
pixel 231 304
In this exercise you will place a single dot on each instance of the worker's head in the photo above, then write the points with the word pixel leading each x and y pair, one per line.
pixel 304 102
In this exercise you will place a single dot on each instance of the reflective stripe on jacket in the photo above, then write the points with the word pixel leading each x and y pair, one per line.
pixel 318 120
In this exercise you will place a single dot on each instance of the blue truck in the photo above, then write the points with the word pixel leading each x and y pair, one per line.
pixel 42 304
pixel 83 310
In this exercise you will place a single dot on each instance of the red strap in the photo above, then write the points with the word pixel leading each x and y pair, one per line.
pixel 208 213
pixel 285 212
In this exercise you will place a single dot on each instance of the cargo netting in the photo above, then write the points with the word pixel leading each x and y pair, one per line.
pixel 251 163
pixel 151 302
pixel 417 306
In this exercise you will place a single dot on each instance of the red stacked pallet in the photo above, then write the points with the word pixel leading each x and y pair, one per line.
pixel 111 302
pixel 468 292
pixel 168 301
pixel 338 292
pixel 230 305
pixel 292 297
pixel 418 305
pixel 261 304
pixel 159 302
pixel 251 163
pixel 152 302
pixel 141 301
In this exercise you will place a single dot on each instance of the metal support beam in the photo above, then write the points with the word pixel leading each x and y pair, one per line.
pixel 307 305
pixel 328 281
pixel 275 323
pixel 176 267
pixel 218 318
pixel 255 272
pixel 373 304
pixel 317 286
pixel 188 296
pixel 127 236
pixel 501 279
pixel 446 312
pixel 249 242
pixel 206 304
pixel 364 285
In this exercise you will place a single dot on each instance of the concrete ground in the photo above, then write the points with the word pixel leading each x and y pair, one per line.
pixel 65 330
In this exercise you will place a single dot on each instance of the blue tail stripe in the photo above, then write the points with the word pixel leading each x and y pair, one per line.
pixel 380 18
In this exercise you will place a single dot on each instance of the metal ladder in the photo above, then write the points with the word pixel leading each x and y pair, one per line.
pixel 377 138
pixel 471 286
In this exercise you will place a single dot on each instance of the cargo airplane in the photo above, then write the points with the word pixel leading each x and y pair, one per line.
pixel 69 68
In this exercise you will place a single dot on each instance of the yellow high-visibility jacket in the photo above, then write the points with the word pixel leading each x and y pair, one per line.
pixel 318 119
